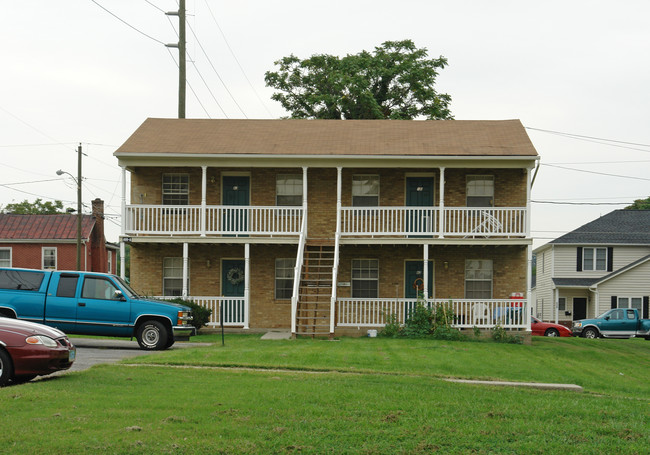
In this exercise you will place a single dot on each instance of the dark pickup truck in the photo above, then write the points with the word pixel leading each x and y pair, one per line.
pixel 615 323
pixel 90 303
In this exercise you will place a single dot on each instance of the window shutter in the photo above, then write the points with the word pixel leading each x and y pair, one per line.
pixel 614 302
pixel 579 260
pixel 646 313
pixel 610 259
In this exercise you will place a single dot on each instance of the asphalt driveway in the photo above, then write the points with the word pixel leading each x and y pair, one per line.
pixel 92 351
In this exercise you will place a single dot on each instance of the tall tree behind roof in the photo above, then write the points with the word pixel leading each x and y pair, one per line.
pixel 396 81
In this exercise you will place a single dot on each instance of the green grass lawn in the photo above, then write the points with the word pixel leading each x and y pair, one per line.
pixel 349 396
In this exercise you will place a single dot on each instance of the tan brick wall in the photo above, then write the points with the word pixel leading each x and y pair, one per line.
pixel 509 264
pixel 509 184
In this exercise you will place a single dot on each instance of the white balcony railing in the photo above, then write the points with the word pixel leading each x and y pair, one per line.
pixel 507 313
pixel 434 221
pixel 218 220
pixel 355 221
pixel 233 309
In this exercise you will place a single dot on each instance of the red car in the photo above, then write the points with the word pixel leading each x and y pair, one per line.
pixel 548 329
pixel 28 350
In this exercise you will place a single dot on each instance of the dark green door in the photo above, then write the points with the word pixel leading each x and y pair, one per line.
pixel 232 285
pixel 414 278
pixel 236 191
pixel 419 193
pixel 414 283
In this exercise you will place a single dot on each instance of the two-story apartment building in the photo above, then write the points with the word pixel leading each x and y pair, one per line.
pixel 326 226
pixel 601 265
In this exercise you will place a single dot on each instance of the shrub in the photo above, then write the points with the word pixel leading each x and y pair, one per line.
pixel 500 335
pixel 201 315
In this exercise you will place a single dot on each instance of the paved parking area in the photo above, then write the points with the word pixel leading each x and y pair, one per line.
pixel 92 351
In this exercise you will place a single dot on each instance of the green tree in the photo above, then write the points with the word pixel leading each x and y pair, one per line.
pixel 38 207
pixel 639 204
pixel 396 81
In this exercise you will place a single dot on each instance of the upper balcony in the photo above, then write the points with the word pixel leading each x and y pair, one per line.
pixel 360 222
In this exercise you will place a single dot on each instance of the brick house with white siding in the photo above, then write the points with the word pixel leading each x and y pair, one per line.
pixel 327 226
pixel 601 265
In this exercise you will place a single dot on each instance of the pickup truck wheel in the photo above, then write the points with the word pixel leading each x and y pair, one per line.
pixel 152 335
pixel 590 333
pixel 6 367
pixel 552 333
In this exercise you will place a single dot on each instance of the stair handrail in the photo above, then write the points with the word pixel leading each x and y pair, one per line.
pixel 297 271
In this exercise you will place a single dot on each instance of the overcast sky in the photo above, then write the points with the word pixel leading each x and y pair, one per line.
pixel 576 73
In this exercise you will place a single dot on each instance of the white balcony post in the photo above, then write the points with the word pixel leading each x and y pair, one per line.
pixel 528 197
pixel 335 266
pixel 122 229
pixel 247 284
pixel 425 270
pixel 529 292
pixel 441 218
pixel 185 264
pixel 304 197
pixel 204 184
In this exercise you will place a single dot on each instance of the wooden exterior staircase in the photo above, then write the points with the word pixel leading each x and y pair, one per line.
pixel 315 292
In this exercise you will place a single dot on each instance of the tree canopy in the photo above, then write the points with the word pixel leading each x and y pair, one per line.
pixel 396 81
pixel 38 207
pixel 639 204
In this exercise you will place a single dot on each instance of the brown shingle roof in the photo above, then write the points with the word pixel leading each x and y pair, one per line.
pixel 329 137
pixel 44 227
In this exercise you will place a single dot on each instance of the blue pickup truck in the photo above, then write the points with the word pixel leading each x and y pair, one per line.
pixel 90 303
pixel 614 323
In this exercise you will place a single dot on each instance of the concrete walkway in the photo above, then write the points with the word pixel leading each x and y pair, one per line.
pixel 277 335
pixel 532 385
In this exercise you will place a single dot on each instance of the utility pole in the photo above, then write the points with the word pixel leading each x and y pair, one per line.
pixel 79 207
pixel 181 56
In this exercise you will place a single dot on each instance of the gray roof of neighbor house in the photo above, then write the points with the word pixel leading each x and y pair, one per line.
pixel 463 138
pixel 630 227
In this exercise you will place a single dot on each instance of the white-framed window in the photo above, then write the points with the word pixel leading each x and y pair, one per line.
pixel 631 302
pixel 478 279
pixel 49 257
pixel 175 189
pixel 561 304
pixel 594 259
pixel 173 277
pixel 284 268
pixel 109 266
pixel 480 191
pixel 365 190
pixel 5 257
pixel 288 190
pixel 365 278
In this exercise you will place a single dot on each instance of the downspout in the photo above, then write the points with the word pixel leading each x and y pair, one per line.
pixel 185 274
pixel 426 272
pixel 441 218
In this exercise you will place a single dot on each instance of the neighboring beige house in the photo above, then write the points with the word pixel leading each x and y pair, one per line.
pixel 263 216
pixel 601 265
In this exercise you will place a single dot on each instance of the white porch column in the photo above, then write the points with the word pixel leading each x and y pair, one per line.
pixel 425 270
pixel 247 284
pixel 556 302
pixel 529 293
pixel 204 183
pixel 528 197
pixel 304 198
pixel 441 218
pixel 185 263
pixel 122 229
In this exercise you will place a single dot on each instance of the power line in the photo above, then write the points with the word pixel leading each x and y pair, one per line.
pixel 236 59
pixel 216 72
pixel 586 137
pixel 594 172
pixel 127 24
